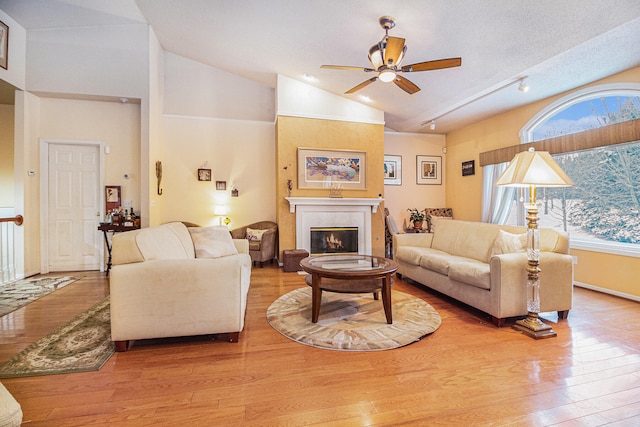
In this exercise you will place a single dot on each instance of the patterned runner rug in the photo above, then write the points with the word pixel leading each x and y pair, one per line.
pixel 352 322
pixel 18 294
pixel 82 344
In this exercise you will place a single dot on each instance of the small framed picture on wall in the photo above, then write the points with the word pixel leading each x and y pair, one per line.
pixel 204 174
pixel 392 170
pixel 429 170
pixel 112 197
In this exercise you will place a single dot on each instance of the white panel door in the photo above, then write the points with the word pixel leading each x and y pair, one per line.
pixel 74 197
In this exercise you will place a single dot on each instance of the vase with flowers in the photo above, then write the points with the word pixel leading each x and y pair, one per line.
pixel 416 217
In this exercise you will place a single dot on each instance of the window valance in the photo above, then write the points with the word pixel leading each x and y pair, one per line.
pixel 618 133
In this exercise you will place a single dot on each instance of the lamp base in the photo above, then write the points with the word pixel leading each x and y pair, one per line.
pixel 535 328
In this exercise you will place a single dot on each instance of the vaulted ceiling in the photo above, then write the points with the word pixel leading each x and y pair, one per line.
pixel 556 45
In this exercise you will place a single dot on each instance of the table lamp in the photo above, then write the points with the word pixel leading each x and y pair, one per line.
pixel 533 169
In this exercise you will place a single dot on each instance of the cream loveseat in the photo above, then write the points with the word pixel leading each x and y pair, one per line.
pixel 484 266
pixel 170 281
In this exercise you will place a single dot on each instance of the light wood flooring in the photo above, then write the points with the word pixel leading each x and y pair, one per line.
pixel 467 373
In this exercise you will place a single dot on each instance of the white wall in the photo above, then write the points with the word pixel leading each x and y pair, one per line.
pixel 15 72
pixel 299 99
pixel 200 90
pixel 411 195
pixel 110 60
pixel 6 155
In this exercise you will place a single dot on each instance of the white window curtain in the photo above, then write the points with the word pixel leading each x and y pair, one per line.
pixel 496 201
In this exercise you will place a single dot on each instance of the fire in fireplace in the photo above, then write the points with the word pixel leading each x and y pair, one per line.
pixel 334 240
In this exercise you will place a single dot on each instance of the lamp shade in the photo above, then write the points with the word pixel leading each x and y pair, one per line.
pixel 534 168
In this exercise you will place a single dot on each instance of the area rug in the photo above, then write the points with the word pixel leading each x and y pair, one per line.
pixel 352 322
pixel 82 344
pixel 18 294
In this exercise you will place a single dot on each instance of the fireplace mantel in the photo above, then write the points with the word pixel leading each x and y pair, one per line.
pixel 333 201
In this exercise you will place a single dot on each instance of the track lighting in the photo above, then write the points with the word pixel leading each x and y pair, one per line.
pixel 432 126
pixel 523 87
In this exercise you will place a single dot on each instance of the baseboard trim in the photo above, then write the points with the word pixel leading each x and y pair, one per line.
pixel 607 291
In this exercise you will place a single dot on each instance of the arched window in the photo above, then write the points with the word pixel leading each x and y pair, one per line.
pixel 602 212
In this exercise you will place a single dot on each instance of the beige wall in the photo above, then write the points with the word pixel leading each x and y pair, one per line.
pixel 464 194
pixel 399 198
pixel 117 125
pixel 242 153
pixel 294 132
pixel 6 156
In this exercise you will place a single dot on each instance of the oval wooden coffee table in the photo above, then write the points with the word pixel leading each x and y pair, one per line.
pixel 352 274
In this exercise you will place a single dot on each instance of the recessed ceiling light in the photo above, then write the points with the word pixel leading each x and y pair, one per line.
pixel 309 77
pixel 365 98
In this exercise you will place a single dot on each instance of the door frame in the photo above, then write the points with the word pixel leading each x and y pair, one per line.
pixel 45 143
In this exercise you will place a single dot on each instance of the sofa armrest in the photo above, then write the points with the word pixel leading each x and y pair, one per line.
pixel 509 282
pixel 242 245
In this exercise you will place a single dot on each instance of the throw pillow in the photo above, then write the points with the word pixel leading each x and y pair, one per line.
pixel 212 242
pixel 506 243
pixel 253 234
pixel 435 219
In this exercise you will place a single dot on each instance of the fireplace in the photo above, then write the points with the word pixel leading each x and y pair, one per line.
pixel 334 240
pixel 326 212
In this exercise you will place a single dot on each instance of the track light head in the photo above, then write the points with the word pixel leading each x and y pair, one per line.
pixel 432 126
pixel 523 86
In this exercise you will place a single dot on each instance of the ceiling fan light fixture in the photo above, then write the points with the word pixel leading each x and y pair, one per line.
pixel 376 55
pixel 523 86
pixel 387 75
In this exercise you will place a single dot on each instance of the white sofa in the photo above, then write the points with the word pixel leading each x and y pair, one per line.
pixel 484 266
pixel 170 281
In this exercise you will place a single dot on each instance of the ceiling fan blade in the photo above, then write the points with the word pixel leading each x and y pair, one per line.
pixel 363 84
pixel 406 85
pixel 346 67
pixel 433 65
pixel 394 51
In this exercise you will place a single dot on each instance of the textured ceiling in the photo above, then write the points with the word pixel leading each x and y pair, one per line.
pixel 558 45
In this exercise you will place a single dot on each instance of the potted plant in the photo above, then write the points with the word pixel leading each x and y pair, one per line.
pixel 417 217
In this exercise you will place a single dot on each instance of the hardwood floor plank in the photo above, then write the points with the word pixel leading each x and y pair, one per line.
pixel 467 373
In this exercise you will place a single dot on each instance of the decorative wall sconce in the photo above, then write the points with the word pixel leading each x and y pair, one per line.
pixel 234 191
pixel 221 185
pixel 159 176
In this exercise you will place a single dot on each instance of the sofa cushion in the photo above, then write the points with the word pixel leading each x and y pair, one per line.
pixel 439 261
pixel 212 242
pixel 411 254
pixel 166 241
pixel 436 219
pixel 506 243
pixel 471 272
pixel 466 239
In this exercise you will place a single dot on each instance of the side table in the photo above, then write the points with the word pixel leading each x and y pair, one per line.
pixel 110 228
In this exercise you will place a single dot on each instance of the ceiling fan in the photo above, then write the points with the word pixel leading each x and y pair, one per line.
pixel 386 58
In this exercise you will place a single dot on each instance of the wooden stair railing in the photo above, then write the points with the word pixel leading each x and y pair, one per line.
pixel 18 219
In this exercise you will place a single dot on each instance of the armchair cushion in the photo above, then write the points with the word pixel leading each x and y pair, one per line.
pixel 254 234
pixel 212 242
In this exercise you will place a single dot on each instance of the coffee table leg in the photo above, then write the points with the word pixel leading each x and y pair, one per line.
pixel 386 297
pixel 316 297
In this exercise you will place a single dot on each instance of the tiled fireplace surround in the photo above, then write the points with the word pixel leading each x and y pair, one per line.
pixel 334 212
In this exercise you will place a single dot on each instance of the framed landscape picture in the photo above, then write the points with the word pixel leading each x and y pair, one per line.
pixel 392 170
pixel 318 168
pixel 429 170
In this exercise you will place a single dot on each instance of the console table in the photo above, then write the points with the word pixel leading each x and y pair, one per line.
pixel 110 228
